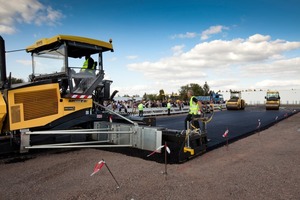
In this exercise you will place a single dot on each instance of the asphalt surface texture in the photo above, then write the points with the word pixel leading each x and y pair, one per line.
pixel 239 123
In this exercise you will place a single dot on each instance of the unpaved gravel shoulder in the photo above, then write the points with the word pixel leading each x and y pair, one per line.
pixel 262 166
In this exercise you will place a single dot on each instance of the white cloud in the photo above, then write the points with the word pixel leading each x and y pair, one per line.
pixel 186 35
pixel 259 38
pixel 204 35
pixel 277 69
pixel 212 30
pixel 278 83
pixel 132 57
pixel 230 83
pixel 27 11
pixel 25 62
pixel 135 89
pixel 230 61
pixel 177 50
pixel 4 29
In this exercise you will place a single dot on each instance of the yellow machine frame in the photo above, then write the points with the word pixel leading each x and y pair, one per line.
pixel 40 102
pixel 38 105
pixel 58 38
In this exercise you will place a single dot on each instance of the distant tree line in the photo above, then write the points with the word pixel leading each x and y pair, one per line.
pixel 16 80
pixel 197 89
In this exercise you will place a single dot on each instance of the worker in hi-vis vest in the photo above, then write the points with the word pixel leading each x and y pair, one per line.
pixel 195 107
pixel 88 68
pixel 141 109
pixel 89 64
pixel 169 107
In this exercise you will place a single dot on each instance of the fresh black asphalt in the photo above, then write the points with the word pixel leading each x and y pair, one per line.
pixel 240 123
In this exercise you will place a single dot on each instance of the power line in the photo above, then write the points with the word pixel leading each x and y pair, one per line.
pixel 15 50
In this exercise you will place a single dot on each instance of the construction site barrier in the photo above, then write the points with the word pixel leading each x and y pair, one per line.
pixel 164 110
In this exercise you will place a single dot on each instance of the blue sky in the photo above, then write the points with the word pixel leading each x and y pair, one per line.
pixel 161 44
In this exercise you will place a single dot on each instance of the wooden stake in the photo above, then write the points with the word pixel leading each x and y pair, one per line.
pixel 227 143
pixel 112 175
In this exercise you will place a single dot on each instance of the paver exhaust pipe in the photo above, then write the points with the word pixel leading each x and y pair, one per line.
pixel 3 78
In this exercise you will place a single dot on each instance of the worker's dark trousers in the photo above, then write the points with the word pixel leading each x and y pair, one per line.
pixel 141 113
pixel 189 119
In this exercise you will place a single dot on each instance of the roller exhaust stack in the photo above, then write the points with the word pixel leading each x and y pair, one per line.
pixel 3 78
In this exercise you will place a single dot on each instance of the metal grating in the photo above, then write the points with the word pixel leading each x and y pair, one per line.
pixel 38 104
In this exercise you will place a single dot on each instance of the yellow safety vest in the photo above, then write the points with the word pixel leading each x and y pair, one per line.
pixel 85 65
pixel 168 105
pixel 194 107
pixel 141 106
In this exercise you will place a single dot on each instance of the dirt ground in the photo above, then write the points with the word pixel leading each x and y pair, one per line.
pixel 262 166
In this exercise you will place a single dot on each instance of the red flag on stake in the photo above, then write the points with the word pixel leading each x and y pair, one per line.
pixel 98 166
pixel 258 124
pixel 158 150
pixel 225 133
pixel 168 149
pixel 110 119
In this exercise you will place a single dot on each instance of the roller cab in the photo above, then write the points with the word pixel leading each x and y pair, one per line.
pixel 272 100
pixel 235 102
